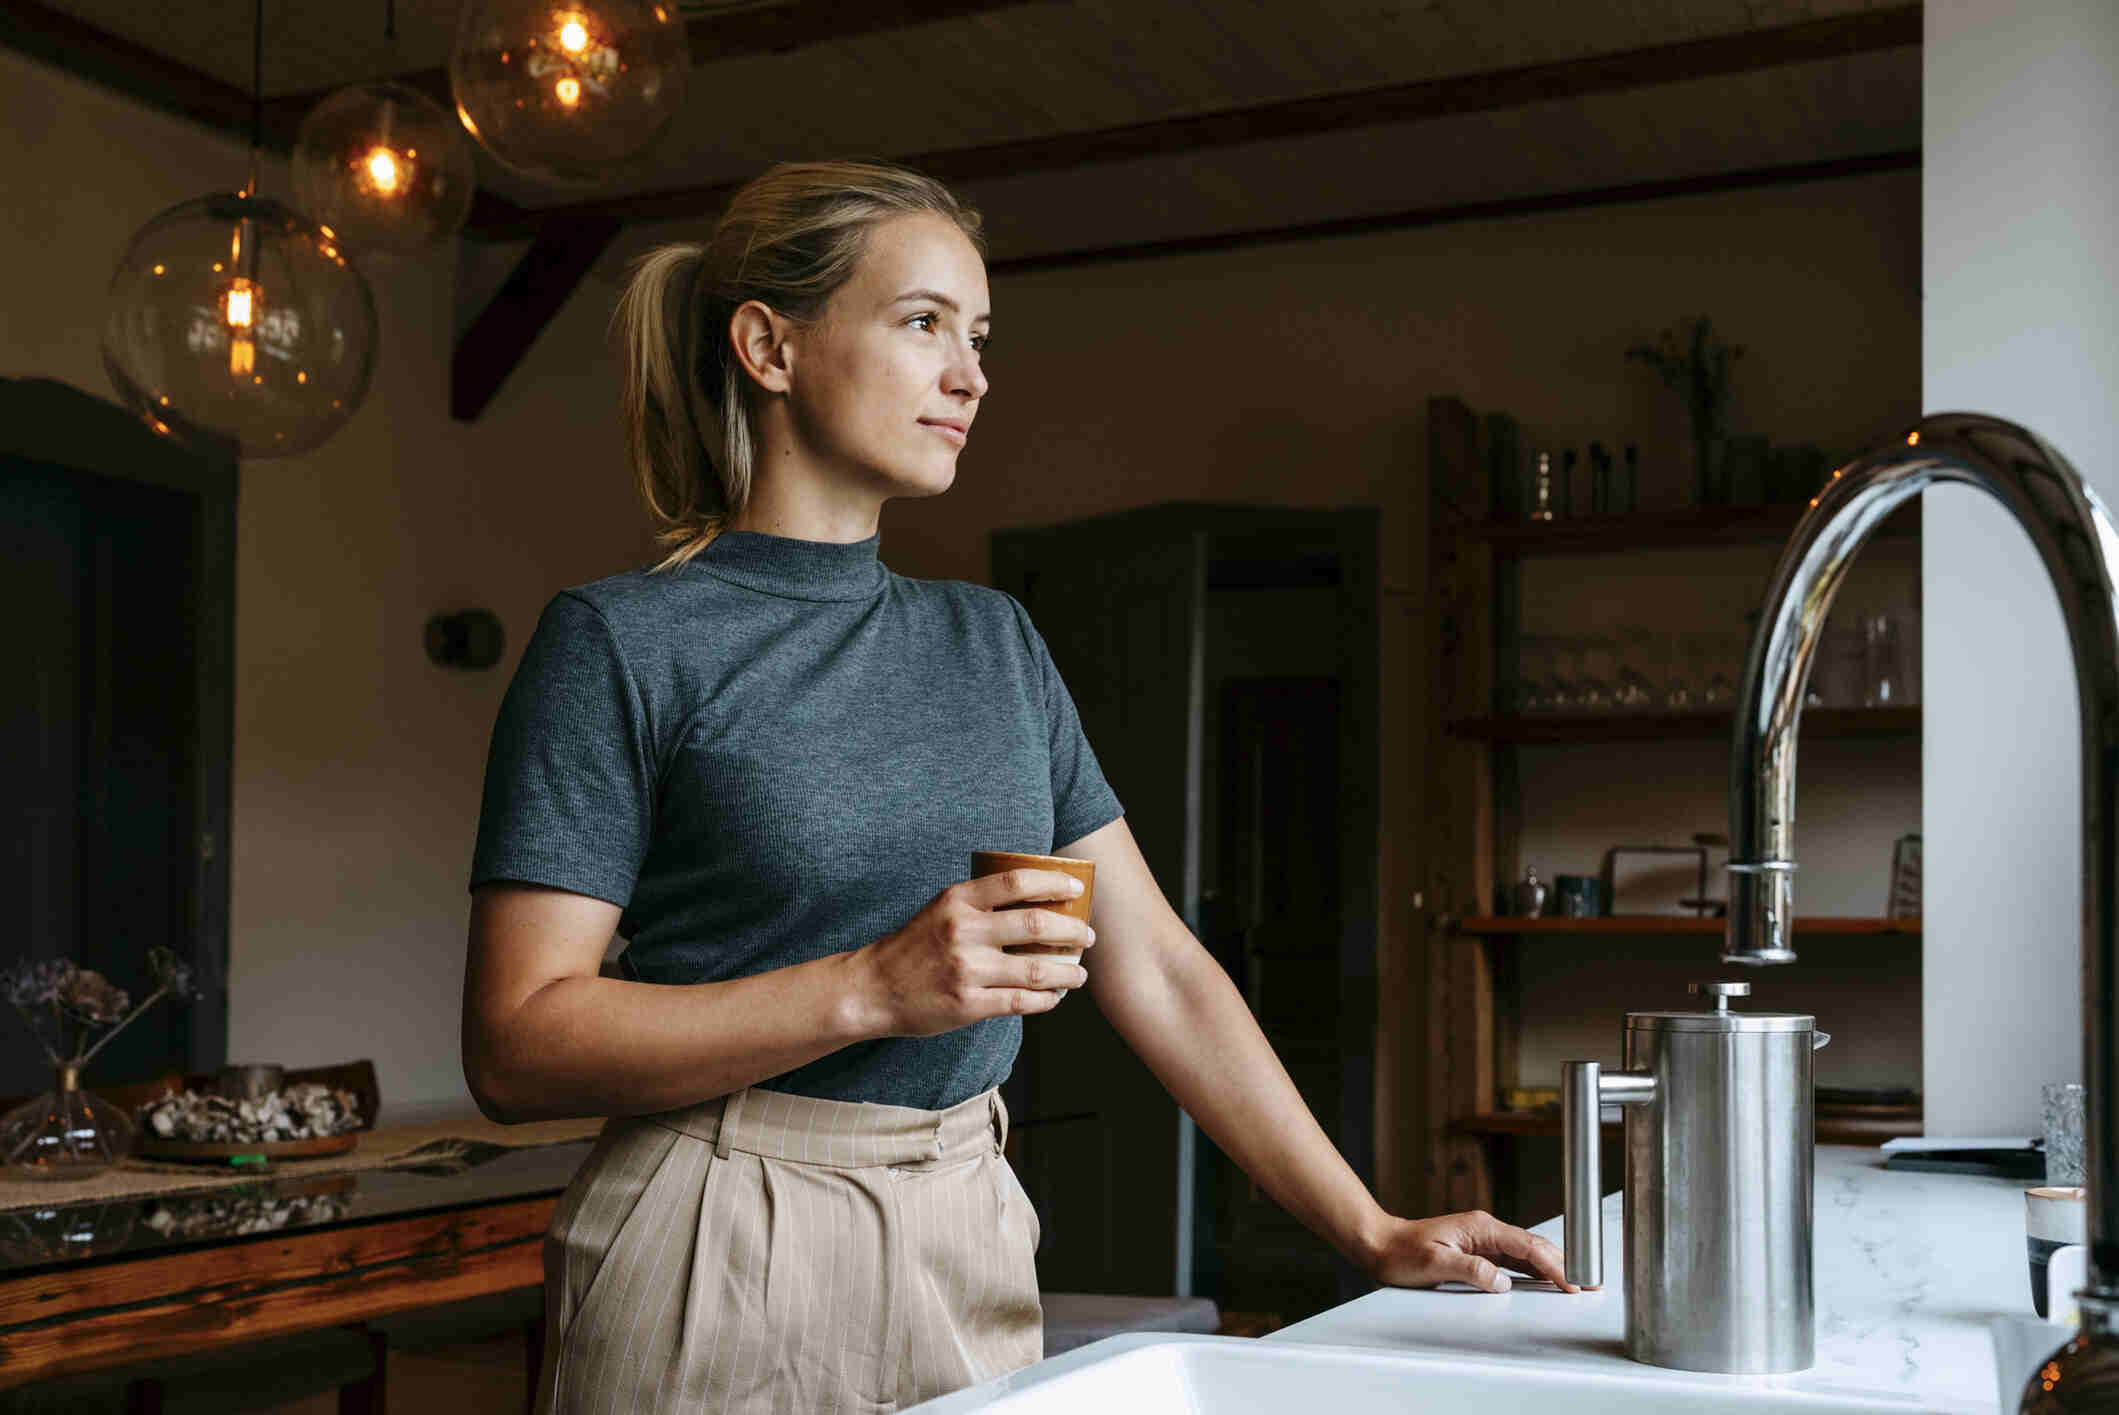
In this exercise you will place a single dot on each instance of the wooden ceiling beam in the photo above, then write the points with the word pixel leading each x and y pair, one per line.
pixel 1837 37
pixel 537 289
pixel 1661 189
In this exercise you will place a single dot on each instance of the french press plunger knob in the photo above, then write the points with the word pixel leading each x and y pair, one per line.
pixel 1721 992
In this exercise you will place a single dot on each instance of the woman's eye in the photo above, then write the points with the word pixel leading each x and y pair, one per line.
pixel 978 341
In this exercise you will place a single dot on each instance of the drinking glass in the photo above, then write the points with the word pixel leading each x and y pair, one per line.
pixel 1636 686
pixel 1838 674
pixel 1679 687
pixel 1595 691
pixel 1884 661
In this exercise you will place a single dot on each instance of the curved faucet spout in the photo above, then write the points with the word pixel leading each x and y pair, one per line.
pixel 2075 539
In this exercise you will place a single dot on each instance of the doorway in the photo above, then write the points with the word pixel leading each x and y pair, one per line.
pixel 1223 660
pixel 117 722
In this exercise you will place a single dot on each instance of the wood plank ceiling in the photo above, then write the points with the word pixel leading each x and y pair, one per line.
pixel 1016 82
pixel 1101 129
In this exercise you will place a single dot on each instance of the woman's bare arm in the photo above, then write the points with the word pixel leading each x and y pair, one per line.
pixel 545 1036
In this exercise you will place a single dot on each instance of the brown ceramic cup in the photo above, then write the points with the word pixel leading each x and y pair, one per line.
pixel 993 862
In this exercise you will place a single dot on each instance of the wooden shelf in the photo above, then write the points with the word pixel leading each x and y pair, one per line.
pixel 1833 1128
pixel 1636 924
pixel 1561 727
pixel 1689 527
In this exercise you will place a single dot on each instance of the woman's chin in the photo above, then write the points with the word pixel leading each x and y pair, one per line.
pixel 929 482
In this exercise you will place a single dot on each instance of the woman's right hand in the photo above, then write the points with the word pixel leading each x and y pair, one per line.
pixel 946 968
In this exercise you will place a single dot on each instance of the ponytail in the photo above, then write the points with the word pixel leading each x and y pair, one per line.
pixel 789 239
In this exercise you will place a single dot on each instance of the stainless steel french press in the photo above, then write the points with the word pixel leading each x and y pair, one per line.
pixel 1720 1122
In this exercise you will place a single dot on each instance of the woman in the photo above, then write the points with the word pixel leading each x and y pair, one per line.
pixel 765 762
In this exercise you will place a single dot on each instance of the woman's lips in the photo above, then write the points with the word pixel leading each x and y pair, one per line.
pixel 947 431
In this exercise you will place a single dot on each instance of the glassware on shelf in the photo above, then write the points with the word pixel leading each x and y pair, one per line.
pixel 1596 689
pixel 1722 655
pixel 1534 671
pixel 1565 692
pixel 1836 675
pixel 1884 680
pixel 1642 673
pixel 1679 693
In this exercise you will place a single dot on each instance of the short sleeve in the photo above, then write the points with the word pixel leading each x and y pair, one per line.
pixel 569 792
pixel 1082 801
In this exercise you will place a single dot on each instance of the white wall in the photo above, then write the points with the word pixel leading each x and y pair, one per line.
pixel 2021 320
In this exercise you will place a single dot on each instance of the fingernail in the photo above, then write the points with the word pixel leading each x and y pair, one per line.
pixel 1501 1282
pixel 1074 886
pixel 1092 935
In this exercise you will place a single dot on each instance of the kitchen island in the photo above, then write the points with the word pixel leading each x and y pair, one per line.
pixel 1911 1271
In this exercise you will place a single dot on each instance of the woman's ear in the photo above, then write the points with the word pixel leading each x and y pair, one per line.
pixel 758 337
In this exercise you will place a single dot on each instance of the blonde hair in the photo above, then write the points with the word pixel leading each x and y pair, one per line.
pixel 789 239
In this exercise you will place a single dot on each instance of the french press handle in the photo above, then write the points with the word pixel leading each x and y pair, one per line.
pixel 1584 1092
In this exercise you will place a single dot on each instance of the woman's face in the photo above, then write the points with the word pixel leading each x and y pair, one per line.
pixel 894 359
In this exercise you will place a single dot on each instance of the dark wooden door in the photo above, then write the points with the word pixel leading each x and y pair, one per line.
pixel 1105 1151
pixel 1277 919
pixel 1133 1199
pixel 114 719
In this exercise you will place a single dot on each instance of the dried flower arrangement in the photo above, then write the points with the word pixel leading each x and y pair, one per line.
pixel 74 1012
pixel 1694 364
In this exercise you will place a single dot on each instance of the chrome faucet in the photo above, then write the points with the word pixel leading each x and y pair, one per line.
pixel 2074 535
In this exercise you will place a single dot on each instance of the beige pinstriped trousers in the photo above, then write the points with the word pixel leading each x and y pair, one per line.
pixel 781 1255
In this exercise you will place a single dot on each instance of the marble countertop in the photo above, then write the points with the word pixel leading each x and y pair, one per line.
pixel 1911 1270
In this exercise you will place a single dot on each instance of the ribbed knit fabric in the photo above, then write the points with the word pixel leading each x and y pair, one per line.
pixel 781 751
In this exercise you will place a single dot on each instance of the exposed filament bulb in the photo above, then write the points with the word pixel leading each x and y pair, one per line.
pixel 240 309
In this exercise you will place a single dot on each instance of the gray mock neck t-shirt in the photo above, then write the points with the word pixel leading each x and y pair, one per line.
pixel 780 751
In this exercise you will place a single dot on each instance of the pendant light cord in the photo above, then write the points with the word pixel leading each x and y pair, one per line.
pixel 257 93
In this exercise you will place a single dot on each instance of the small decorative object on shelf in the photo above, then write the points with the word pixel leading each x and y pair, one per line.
pixel 1541 503
pixel 1631 496
pixel 1566 482
pixel 73 1012
pixel 1529 899
pixel 1695 365
pixel 1580 896
pixel 1599 480
pixel 1504 464
pixel 1904 902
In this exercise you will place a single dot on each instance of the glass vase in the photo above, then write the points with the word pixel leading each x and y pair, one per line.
pixel 66 1133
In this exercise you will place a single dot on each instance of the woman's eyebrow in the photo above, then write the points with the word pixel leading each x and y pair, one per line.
pixel 937 297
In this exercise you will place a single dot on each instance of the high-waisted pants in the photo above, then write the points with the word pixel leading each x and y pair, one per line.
pixel 777 1254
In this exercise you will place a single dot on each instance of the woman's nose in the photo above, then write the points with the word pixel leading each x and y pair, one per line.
pixel 965 375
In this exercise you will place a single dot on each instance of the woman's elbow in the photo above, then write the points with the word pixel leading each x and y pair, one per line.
pixel 488 1080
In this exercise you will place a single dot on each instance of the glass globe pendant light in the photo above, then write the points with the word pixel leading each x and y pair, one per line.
pixel 568 91
pixel 385 168
pixel 231 317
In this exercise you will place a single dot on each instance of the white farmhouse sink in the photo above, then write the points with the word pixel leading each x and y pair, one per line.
pixel 1155 1373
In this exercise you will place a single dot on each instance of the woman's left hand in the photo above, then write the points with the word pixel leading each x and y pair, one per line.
pixel 1462 1248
